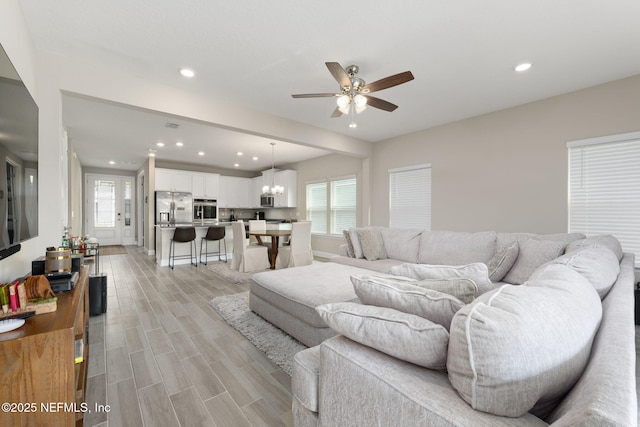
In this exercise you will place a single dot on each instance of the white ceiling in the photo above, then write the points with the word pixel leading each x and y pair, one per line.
pixel 256 54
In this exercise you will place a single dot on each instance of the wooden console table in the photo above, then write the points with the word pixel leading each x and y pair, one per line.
pixel 41 377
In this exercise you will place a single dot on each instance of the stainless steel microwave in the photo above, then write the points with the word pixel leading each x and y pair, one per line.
pixel 266 201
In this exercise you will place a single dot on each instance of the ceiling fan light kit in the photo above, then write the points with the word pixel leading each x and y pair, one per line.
pixel 354 91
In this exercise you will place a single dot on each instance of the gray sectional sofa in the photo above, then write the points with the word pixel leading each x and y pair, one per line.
pixel 547 338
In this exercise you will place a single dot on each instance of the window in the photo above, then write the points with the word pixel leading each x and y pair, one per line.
pixel 410 197
pixel 604 188
pixel 331 205
pixel 105 200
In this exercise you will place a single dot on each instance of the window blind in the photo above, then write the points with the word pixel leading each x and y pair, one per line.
pixel 604 188
pixel 343 205
pixel 410 197
pixel 317 206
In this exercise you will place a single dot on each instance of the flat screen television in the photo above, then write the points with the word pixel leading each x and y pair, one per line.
pixel 18 160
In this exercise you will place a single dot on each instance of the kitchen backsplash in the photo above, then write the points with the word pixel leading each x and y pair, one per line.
pixel 269 213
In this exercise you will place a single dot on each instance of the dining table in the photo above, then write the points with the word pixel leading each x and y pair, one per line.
pixel 275 241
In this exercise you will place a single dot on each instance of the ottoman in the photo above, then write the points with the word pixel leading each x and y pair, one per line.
pixel 287 298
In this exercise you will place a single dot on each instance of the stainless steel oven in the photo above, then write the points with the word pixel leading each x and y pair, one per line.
pixel 205 210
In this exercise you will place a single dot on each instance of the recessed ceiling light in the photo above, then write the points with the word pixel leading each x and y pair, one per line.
pixel 187 72
pixel 239 153
pixel 152 152
pixel 236 165
pixel 200 153
pixel 255 157
pixel 160 144
pixel 179 144
pixel 522 67
pixel 111 162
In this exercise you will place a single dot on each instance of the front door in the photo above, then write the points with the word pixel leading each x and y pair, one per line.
pixel 110 209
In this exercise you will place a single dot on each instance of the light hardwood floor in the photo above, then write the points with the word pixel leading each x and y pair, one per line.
pixel 161 356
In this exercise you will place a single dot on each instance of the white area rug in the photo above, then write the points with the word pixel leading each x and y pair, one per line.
pixel 277 345
pixel 234 276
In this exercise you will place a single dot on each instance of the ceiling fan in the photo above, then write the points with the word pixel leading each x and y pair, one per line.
pixel 354 92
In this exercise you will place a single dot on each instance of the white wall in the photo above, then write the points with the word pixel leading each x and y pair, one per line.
pixel 507 170
pixel 330 166
pixel 16 42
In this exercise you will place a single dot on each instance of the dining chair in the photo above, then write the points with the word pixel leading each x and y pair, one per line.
pixel 258 225
pixel 298 252
pixel 245 257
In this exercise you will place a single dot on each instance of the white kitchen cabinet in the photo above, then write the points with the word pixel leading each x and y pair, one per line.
pixel 255 191
pixel 205 185
pixel 173 180
pixel 234 192
pixel 289 180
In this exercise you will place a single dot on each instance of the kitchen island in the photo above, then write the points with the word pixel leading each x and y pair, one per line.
pixel 165 233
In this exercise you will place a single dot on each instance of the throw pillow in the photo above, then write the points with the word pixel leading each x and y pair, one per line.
pixel 502 261
pixel 406 297
pixel 520 349
pixel 477 272
pixel 371 243
pixel 347 238
pixel 357 249
pixel 532 254
pixel 598 265
pixel 464 289
pixel 401 335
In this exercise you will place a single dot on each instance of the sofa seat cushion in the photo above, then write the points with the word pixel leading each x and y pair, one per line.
pixel 456 248
pixel 532 254
pixel 304 380
pixel 380 265
pixel 402 335
pixel 476 272
pixel 402 294
pixel 521 348
pixel 299 290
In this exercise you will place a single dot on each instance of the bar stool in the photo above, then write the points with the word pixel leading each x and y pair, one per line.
pixel 213 234
pixel 183 235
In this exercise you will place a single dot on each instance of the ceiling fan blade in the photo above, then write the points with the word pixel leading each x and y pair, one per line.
pixel 388 82
pixel 336 113
pixel 380 103
pixel 314 95
pixel 339 74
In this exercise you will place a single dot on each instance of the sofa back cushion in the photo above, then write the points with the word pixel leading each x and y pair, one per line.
pixel 600 240
pixel 401 244
pixel 503 239
pixel 521 348
pixel 456 247
pixel 598 265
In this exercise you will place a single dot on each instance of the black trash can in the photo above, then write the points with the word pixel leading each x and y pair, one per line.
pixel 97 294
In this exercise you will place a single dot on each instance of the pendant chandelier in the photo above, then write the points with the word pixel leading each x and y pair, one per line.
pixel 273 189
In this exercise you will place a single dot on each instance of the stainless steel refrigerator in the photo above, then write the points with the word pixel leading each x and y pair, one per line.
pixel 173 208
